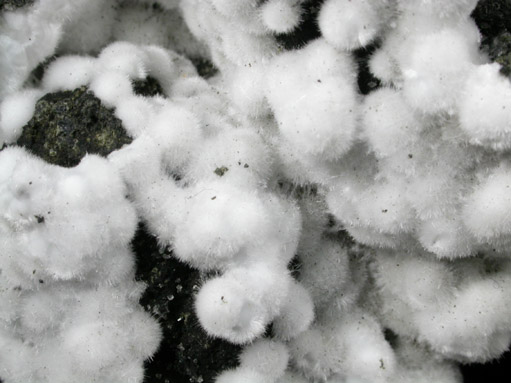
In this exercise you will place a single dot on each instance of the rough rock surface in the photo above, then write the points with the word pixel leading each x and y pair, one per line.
pixel 499 50
pixel 67 125
pixel 493 17
pixel 11 5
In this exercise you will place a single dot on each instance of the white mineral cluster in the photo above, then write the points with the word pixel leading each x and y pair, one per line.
pixel 239 173
pixel 69 304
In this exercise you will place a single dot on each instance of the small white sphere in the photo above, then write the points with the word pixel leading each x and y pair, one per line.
pixel 296 315
pixel 110 87
pixel 281 16
pixel 349 25
pixel 484 108
pixel 267 357
pixel 124 57
pixel 68 73
pixel 224 310
pixel 15 111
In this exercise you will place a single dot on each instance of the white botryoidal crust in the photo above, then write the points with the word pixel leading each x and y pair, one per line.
pixel 66 256
pixel 416 170
pixel 50 219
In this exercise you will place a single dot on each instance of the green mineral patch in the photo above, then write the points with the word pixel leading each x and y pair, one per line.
pixel 69 124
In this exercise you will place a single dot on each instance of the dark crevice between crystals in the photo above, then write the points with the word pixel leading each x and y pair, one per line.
pixel 493 18
pixel 307 30
pixel 35 77
pixel 204 67
pixel 148 87
pixel 495 371
pixel 366 81
pixel 186 354
pixel 11 5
